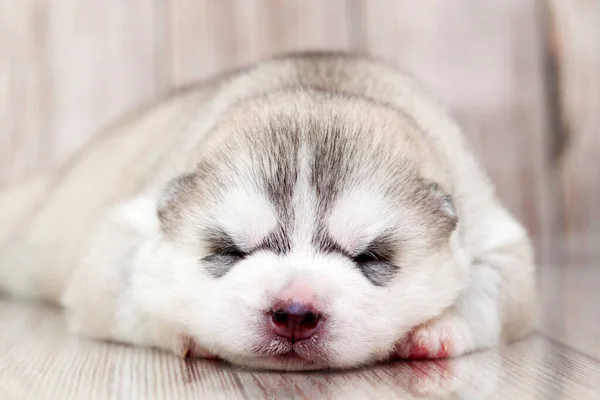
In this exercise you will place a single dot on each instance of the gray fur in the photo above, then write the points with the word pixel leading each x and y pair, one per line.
pixel 335 179
pixel 340 155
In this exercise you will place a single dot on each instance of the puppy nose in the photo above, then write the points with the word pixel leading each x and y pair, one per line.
pixel 294 321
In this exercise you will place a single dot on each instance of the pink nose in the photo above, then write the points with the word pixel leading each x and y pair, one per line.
pixel 294 321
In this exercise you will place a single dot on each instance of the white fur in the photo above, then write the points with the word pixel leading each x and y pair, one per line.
pixel 140 214
pixel 225 316
pixel 303 203
pixel 121 277
pixel 245 213
pixel 360 216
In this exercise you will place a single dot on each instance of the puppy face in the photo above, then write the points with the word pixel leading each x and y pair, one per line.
pixel 307 237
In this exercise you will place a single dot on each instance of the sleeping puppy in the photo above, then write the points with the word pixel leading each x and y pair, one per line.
pixel 314 210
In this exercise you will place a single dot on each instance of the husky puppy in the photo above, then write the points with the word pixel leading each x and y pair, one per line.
pixel 310 211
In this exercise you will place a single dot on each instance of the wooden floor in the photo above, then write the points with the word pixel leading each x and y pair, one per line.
pixel 38 360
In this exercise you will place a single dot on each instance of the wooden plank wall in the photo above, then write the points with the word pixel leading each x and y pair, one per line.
pixel 520 75
pixel 574 47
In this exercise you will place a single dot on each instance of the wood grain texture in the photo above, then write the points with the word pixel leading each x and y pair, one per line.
pixel 484 61
pixel 574 27
pixel 570 314
pixel 206 36
pixel 69 68
pixel 39 360
pixel 24 88
pixel 573 46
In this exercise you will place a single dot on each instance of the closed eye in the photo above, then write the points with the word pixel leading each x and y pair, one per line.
pixel 226 251
pixel 375 269
pixel 223 253
pixel 219 263
pixel 366 257
pixel 375 262
pixel 231 252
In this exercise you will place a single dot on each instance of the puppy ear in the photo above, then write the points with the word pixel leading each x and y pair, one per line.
pixel 442 206
pixel 175 194
pixel 443 199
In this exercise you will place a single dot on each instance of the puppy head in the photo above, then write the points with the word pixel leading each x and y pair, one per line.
pixel 306 238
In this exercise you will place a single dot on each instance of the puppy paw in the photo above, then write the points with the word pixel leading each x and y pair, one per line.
pixel 444 337
pixel 425 342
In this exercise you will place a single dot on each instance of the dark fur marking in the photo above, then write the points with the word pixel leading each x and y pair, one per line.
pixel 175 195
pixel 218 265
pixel 332 165
pixel 382 249
pixel 326 244
pixel 375 262
pixel 379 273
pixel 437 207
pixel 224 253
pixel 340 156
pixel 445 205
pixel 277 241
pixel 339 159
pixel 277 158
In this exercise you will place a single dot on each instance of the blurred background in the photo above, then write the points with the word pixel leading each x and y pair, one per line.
pixel 522 77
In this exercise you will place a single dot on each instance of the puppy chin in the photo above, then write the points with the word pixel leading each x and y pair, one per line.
pixel 307 355
pixel 295 361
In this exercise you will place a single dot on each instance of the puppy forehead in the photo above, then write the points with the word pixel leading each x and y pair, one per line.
pixel 356 215
pixel 359 215
pixel 306 171
pixel 246 212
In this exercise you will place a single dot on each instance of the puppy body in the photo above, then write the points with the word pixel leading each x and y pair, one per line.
pixel 332 176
